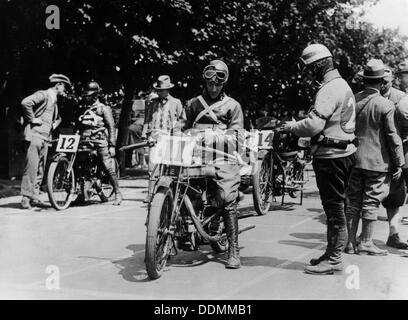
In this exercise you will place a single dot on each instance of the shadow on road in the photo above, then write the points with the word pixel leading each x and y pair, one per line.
pixel 12 205
pixel 307 236
pixel 304 244
pixel 133 268
pixel 271 262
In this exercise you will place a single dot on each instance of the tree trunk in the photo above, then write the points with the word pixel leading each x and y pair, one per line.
pixel 125 114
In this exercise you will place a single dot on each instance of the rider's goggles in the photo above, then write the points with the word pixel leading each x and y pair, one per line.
pixel 217 75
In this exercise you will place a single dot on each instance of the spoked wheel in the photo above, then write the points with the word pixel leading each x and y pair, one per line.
pixel 158 240
pixel 295 176
pixel 107 192
pixel 262 182
pixel 60 184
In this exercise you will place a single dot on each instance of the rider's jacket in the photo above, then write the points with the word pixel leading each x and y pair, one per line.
pixel 332 116
pixel 222 121
pixel 224 113
pixel 95 117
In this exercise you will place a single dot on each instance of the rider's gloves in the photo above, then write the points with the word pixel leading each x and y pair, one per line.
pixel 287 126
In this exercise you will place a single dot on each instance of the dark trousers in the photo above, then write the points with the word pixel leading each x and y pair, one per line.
pixel 332 177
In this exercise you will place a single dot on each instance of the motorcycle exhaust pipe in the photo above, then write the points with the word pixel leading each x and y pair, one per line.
pixel 197 222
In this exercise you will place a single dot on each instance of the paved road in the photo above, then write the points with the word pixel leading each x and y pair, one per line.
pixel 98 253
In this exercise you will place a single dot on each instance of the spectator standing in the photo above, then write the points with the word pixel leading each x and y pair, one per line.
pixel 41 118
pixel 379 159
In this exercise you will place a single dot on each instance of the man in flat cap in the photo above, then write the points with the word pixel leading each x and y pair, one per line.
pixel 41 118
pixel 379 159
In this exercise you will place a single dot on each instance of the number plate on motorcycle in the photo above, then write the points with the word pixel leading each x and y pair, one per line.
pixel 265 138
pixel 68 143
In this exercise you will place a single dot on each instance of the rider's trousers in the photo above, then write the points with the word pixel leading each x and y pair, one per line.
pixel 332 176
pixel 106 159
pixel 227 180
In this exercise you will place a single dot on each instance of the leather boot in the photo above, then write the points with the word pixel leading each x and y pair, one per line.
pixel 367 246
pixel 25 203
pixel 231 226
pixel 324 268
pixel 114 182
pixel 316 261
pixel 118 198
pixel 352 227
pixel 394 241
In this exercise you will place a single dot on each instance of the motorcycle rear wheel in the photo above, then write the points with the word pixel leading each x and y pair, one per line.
pixel 158 240
pixel 60 184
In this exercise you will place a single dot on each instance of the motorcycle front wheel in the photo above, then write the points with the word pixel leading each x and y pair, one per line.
pixel 262 191
pixel 60 184
pixel 158 239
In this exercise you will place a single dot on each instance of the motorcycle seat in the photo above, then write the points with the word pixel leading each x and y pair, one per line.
pixel 290 155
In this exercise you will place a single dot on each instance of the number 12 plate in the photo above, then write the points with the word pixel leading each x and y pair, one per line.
pixel 68 143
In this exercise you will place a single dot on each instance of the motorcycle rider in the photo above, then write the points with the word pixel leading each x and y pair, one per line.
pixel 214 110
pixel 96 116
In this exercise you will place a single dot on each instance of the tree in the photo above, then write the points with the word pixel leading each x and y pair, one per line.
pixel 129 43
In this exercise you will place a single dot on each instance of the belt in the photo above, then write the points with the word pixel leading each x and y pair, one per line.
pixel 336 143
pixel 210 126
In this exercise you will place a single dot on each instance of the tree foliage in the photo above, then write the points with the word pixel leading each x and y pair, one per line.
pixel 130 42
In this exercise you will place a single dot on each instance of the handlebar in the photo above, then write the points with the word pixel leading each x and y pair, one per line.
pixel 138 145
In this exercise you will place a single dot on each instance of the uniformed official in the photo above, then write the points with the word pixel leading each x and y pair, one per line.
pixel 379 159
pixel 97 115
pixel 41 118
pixel 214 110
pixel 397 194
pixel 331 123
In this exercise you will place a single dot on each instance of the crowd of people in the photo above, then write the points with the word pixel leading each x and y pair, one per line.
pixel 357 144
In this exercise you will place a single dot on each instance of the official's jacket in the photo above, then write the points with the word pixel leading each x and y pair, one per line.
pixel 333 116
pixel 380 147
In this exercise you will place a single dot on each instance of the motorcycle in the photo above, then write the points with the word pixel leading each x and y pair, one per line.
pixel 183 213
pixel 76 171
pixel 281 170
